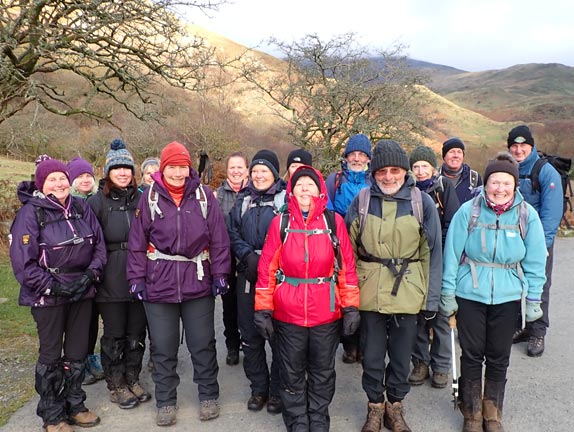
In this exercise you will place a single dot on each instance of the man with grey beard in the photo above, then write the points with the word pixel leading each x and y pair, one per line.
pixel 399 263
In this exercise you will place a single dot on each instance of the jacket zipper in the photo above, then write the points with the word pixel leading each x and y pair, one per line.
pixel 493 259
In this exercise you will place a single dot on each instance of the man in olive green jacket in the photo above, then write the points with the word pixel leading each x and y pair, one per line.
pixel 397 243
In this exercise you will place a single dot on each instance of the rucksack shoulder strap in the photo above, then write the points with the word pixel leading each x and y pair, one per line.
pixel 152 199
pixel 473 178
pixel 417 204
pixel 364 201
pixel 202 198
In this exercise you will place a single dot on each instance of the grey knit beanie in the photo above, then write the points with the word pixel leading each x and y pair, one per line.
pixel 389 153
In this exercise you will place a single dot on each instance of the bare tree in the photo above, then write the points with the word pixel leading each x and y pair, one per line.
pixel 333 89
pixel 108 49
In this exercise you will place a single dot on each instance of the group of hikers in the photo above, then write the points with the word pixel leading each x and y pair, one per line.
pixel 381 256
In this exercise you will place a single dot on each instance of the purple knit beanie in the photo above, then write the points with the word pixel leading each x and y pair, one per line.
pixel 45 166
pixel 77 167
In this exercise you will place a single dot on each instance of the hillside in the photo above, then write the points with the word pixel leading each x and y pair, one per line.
pixel 531 92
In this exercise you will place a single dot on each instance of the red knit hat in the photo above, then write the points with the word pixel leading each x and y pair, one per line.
pixel 174 154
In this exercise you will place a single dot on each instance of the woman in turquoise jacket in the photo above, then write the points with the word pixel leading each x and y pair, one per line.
pixel 493 259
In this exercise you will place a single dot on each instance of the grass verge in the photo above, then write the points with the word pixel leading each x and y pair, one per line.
pixel 18 346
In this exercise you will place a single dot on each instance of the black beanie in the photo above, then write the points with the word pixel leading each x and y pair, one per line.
pixel 305 171
pixel 450 144
pixel 520 135
pixel 503 162
pixel 423 153
pixel 299 156
pixel 389 153
pixel 267 158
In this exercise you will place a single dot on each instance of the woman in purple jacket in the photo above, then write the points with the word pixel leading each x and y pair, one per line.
pixel 178 260
pixel 57 254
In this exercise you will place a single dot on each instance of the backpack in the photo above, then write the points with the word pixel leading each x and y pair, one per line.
pixel 153 196
pixel 278 203
pixel 523 212
pixel 390 263
pixel 330 223
pixel 41 215
pixel 561 164
pixel 365 199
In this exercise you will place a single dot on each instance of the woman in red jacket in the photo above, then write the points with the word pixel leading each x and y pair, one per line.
pixel 300 299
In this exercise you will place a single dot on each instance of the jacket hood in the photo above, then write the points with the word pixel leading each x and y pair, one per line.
pixel 28 193
pixel 319 203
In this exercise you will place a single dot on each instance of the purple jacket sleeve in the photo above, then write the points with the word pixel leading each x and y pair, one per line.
pixel 138 242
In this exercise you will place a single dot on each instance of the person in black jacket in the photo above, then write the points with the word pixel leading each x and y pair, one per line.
pixel 123 341
pixel 424 167
pixel 249 221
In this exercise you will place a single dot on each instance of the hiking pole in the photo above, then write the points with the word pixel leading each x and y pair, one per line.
pixel 452 325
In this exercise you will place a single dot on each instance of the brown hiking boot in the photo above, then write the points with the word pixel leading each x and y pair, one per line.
pixel 470 405
pixel 439 380
pixel 492 405
pixel 60 427
pixel 419 373
pixel 520 335
pixel 535 346
pixel 84 419
pixel 394 419
pixel 124 398
pixel 166 415
pixel 139 391
pixel 375 413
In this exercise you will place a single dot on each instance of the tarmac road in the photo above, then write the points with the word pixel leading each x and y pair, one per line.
pixel 539 393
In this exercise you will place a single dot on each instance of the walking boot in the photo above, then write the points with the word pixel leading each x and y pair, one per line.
pixel 75 396
pixel 208 409
pixel 256 402
pixel 520 335
pixel 419 373
pixel 60 427
pixel 84 419
pixel 394 419
pixel 94 365
pixel 350 355
pixel 492 405
pixel 89 379
pixel 123 397
pixel 439 380
pixel 139 391
pixel 166 415
pixel 535 346
pixel 375 414
pixel 274 405
pixel 470 404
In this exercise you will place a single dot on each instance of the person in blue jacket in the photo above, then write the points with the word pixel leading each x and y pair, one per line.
pixel 342 187
pixel 492 261
pixel 547 200
pixel 57 254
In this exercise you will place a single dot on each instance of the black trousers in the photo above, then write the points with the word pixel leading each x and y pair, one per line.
pixel 230 324
pixel 58 381
pixel 485 336
pixel 307 370
pixel 94 328
pixel 197 317
pixel 382 335
pixel 123 341
pixel 255 359
pixel 63 327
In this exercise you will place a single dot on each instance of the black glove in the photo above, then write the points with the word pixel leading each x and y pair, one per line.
pixel 59 289
pixel 351 320
pixel 138 292
pixel 264 323
pixel 82 284
pixel 428 316
pixel 251 262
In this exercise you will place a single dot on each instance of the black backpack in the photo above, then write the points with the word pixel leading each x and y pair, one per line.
pixel 561 164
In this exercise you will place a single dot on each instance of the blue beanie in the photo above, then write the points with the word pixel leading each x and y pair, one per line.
pixel 118 156
pixel 358 142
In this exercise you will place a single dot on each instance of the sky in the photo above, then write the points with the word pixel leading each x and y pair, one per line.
pixel 472 35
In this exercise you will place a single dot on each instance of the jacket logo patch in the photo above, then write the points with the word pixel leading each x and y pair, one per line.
pixel 25 239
